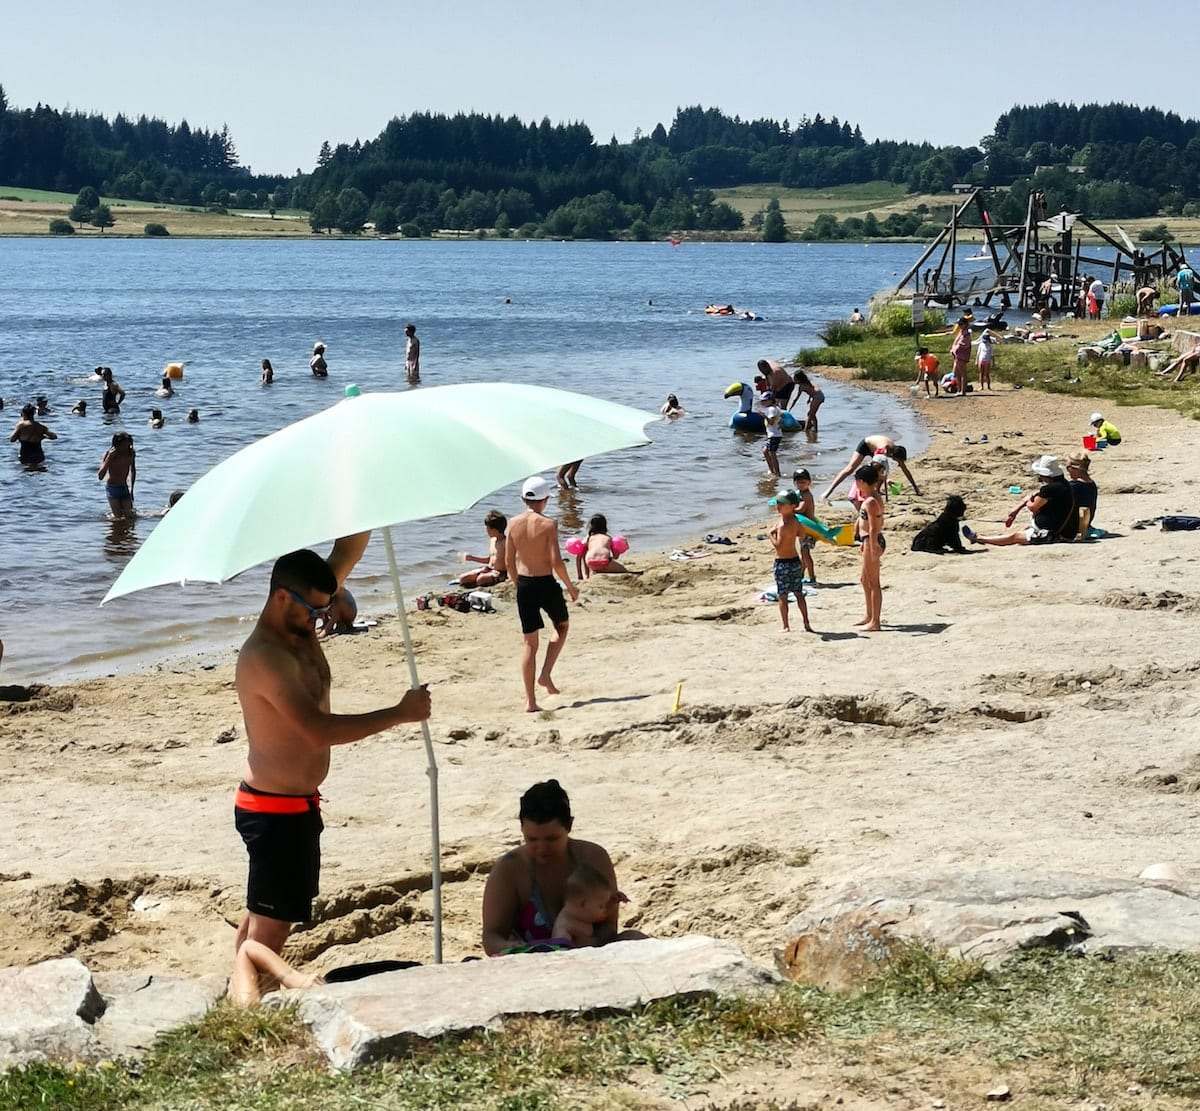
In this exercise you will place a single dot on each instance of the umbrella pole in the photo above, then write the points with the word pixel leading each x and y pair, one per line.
pixel 431 770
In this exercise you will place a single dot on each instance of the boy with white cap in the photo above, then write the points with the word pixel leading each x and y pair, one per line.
pixel 533 558
pixel 1104 430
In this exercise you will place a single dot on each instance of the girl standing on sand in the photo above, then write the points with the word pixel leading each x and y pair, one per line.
pixel 870 527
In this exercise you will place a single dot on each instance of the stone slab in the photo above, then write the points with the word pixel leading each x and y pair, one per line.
pixel 139 1006
pixel 46 1012
pixel 360 1021
pixel 841 942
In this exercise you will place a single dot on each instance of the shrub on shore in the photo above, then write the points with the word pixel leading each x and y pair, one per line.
pixel 156 230
pixel 59 226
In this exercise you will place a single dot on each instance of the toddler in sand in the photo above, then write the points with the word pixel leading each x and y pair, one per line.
pixel 258 970
pixel 599 554
pixel 493 570
pixel 789 572
pixel 586 900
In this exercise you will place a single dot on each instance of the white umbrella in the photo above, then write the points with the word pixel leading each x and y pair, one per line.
pixel 370 461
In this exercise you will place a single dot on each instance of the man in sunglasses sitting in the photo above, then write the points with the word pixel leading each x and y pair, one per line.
pixel 283 685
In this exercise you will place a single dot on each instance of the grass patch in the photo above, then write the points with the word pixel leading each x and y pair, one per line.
pixel 1073 1028
pixel 1051 366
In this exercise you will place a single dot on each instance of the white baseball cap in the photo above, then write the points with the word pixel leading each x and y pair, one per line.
pixel 536 488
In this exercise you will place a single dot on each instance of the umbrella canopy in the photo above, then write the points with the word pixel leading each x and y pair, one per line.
pixel 368 461
pixel 371 461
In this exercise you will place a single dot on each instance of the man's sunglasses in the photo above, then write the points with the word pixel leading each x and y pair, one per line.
pixel 314 612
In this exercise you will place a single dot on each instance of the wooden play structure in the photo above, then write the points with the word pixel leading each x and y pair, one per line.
pixel 1038 263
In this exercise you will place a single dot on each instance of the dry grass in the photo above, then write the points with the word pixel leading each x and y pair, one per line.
pixel 33 217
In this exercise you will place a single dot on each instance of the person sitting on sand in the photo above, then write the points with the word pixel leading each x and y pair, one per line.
pixel 118 472
pixel 1079 466
pixel 29 432
pixel 671 407
pixel 598 556
pixel 526 889
pixel 257 971
pixel 868 447
pixel 493 570
pixel 343 608
pixel 586 899
pixel 1103 429
pixel 1055 514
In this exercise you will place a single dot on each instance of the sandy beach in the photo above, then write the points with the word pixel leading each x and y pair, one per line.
pixel 1025 709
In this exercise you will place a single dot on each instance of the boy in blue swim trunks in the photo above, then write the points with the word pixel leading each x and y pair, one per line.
pixel 789 572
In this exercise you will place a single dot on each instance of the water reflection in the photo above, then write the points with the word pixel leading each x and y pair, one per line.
pixel 570 512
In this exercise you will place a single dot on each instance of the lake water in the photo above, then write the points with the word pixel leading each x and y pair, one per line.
pixel 620 321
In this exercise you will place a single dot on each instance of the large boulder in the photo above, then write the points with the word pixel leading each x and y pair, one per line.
pixel 46 1014
pixel 841 942
pixel 139 1006
pixel 359 1021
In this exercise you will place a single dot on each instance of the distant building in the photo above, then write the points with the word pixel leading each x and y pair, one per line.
pixel 963 187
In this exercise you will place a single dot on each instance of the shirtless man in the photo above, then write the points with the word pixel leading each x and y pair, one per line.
pixel 779 382
pixel 283 685
pixel 532 559
pixel 868 447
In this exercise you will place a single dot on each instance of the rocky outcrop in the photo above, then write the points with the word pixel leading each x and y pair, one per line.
pixel 841 943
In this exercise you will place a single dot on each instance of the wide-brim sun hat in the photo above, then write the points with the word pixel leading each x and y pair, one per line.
pixel 1047 466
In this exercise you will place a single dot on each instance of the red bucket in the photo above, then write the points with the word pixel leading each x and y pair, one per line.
pixel 1089 442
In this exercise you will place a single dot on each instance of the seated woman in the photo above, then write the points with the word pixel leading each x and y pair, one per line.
pixel 1055 513
pixel 526 889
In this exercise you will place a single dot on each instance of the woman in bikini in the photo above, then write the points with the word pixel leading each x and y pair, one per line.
pixel 526 888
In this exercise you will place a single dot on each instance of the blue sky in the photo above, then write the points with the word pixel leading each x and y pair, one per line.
pixel 285 76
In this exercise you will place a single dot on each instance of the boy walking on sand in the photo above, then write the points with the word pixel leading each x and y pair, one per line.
pixel 789 574
pixel 532 559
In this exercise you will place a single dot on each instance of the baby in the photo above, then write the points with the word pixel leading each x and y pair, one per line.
pixel 586 903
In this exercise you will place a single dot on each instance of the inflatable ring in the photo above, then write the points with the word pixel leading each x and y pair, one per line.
pixel 173 370
pixel 575 546
pixel 620 545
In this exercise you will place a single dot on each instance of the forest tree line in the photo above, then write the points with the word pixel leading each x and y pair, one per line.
pixel 431 171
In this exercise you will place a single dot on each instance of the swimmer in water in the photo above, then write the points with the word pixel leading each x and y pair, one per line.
pixel 156 419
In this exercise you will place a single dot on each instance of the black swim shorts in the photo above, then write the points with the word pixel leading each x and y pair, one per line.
pixel 536 593
pixel 864 449
pixel 283 837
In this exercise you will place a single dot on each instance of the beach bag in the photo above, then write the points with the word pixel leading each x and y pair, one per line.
pixel 1180 524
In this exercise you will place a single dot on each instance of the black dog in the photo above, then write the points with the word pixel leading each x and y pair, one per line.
pixel 942 532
